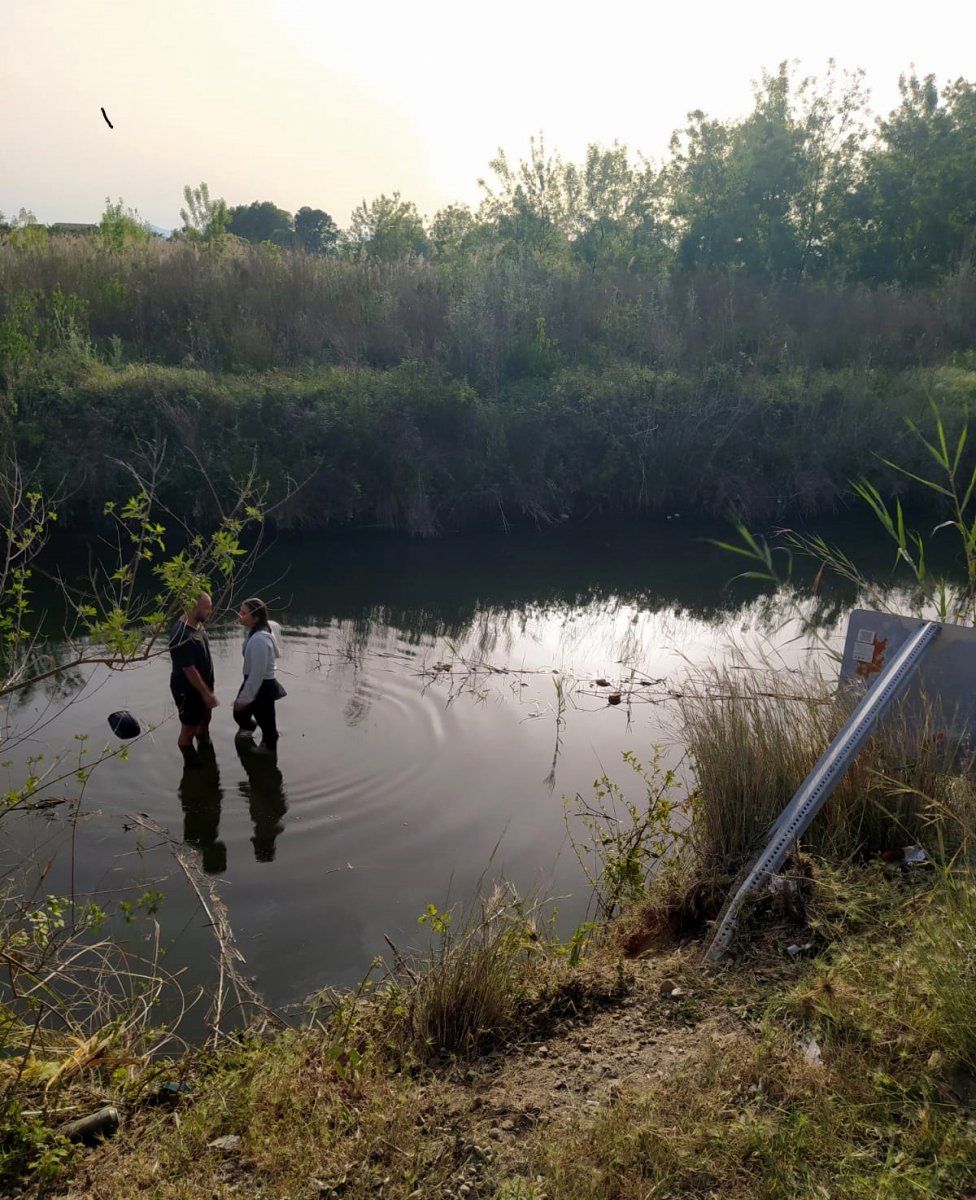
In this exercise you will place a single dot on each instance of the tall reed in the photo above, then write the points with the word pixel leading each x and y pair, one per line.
pixel 753 737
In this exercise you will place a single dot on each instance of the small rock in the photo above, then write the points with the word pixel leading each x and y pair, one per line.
pixel 495 1133
pixel 508 1125
pixel 228 1144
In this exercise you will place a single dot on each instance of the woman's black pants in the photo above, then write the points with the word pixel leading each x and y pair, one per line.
pixel 262 710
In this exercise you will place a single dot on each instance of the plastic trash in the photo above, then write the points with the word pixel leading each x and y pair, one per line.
pixel 124 724
pixel 798 949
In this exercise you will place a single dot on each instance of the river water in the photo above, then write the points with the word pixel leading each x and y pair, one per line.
pixel 398 782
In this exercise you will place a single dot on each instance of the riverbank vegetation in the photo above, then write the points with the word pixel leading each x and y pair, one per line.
pixel 743 326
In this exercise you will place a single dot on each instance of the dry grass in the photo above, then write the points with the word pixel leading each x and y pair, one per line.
pixel 755 743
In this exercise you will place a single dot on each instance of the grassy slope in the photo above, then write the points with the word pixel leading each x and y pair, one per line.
pixel 604 1083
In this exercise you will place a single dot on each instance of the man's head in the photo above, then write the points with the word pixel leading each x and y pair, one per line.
pixel 201 610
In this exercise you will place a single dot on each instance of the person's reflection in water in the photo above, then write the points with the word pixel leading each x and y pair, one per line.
pixel 265 794
pixel 200 795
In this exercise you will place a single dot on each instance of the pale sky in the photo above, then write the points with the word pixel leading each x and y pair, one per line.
pixel 327 103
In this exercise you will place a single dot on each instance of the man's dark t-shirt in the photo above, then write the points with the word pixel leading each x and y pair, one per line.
pixel 189 648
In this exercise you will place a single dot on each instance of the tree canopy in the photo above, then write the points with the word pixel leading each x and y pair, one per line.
pixel 261 221
pixel 807 185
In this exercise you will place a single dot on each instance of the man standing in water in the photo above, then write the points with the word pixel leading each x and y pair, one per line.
pixel 192 678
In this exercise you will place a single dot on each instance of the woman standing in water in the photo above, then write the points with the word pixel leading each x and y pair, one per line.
pixel 255 703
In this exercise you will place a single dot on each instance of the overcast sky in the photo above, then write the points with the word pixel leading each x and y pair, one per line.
pixel 325 102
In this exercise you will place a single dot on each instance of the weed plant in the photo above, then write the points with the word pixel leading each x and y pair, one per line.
pixel 619 840
pixel 473 988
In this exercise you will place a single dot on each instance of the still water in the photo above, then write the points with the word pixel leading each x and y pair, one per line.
pixel 398 782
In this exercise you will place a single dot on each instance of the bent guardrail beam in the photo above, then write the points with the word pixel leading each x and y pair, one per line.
pixel 809 799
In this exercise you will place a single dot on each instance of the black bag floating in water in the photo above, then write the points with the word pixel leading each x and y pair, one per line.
pixel 124 724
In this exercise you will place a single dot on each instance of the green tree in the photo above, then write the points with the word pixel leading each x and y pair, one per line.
pixel 614 210
pixel 387 229
pixel 26 232
pixel 315 231
pixel 121 227
pixel 452 231
pixel 834 133
pixel 702 188
pixel 766 195
pixel 915 211
pixel 735 185
pixel 204 219
pixel 261 221
pixel 527 204
pixel 604 212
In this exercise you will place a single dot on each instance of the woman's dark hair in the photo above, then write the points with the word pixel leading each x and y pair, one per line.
pixel 258 610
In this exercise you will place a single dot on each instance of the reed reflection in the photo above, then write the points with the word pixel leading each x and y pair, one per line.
pixel 264 791
pixel 200 795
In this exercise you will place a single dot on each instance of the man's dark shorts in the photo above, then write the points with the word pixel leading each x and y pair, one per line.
pixel 189 704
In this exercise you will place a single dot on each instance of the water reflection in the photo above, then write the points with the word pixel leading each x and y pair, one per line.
pixel 443 681
pixel 200 795
pixel 264 791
